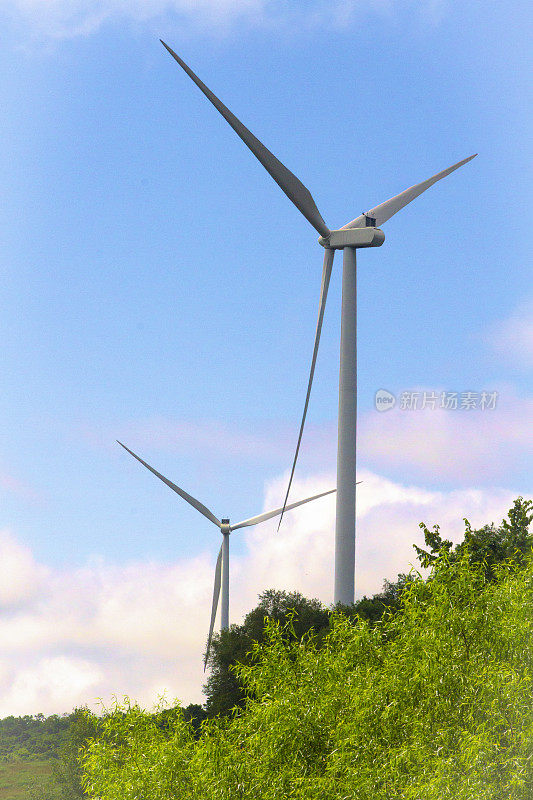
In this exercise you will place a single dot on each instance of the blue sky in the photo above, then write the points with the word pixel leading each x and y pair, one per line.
pixel 157 287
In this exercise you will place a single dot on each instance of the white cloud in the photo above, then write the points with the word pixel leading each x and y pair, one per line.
pixel 21 578
pixel 57 682
pixel 466 446
pixel 300 556
pixel 58 19
pixel 128 629
pixel 140 628
pixel 513 337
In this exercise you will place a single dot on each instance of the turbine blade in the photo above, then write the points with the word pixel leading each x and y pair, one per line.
pixel 289 183
pixel 326 275
pixel 216 593
pixel 389 208
pixel 270 514
pixel 191 500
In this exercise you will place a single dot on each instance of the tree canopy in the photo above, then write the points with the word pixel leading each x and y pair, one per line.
pixel 32 736
pixel 224 690
pixel 489 545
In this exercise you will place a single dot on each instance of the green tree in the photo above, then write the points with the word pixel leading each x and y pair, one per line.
pixel 137 758
pixel 224 690
pixel 193 713
pixel 373 608
pixel 423 692
pixel 490 545
pixel 32 737
pixel 66 771
pixel 65 781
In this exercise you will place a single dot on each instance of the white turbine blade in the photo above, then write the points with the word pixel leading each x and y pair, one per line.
pixel 389 208
pixel 326 275
pixel 192 500
pixel 216 593
pixel 289 183
pixel 270 514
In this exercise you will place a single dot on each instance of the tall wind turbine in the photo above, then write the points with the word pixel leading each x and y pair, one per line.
pixel 222 565
pixel 361 232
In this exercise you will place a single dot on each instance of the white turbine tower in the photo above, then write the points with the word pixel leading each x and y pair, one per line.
pixel 363 231
pixel 222 565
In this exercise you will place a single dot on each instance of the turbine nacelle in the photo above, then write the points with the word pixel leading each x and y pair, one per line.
pixel 353 237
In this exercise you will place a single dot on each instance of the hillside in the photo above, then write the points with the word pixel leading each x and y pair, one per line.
pixel 432 701
pixel 20 780
pixel 423 691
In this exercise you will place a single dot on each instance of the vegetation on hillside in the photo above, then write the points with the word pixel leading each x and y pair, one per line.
pixel 32 737
pixel 490 545
pixel 41 755
pixel 430 697
pixel 430 670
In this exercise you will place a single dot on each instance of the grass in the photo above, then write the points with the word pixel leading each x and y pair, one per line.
pixel 15 777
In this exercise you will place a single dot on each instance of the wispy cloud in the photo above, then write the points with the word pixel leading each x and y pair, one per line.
pixel 76 635
pixel 513 337
pixel 22 579
pixel 59 19
pixel 213 438
pixel 463 445
pixel 12 485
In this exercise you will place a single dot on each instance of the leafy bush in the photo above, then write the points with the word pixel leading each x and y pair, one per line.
pixel 432 701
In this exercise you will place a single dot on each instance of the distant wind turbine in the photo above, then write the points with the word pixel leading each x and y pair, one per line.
pixel 360 232
pixel 222 565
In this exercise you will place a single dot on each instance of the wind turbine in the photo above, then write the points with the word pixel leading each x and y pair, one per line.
pixel 222 565
pixel 361 232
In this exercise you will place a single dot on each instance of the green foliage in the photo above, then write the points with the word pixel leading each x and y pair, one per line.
pixel 373 608
pixel 489 545
pixel 224 690
pixel 195 714
pixel 20 780
pixel 66 770
pixel 136 757
pixel 432 701
pixel 40 754
pixel 61 740
pixel 31 738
